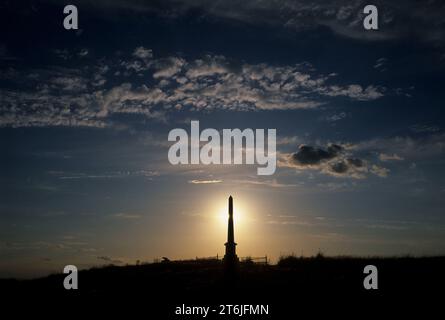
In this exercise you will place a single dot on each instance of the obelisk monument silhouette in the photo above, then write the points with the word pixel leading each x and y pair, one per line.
pixel 230 258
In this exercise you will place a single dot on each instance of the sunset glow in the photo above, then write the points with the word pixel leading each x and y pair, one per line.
pixel 116 139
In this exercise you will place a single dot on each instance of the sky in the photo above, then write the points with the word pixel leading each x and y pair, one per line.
pixel 85 115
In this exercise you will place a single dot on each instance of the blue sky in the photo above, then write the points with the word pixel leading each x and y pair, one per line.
pixel 84 119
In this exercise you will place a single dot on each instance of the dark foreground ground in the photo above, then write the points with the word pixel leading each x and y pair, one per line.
pixel 296 286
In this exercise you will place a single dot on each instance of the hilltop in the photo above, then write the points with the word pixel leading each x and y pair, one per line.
pixel 307 281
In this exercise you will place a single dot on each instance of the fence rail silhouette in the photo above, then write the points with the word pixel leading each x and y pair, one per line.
pixel 258 260
pixel 248 259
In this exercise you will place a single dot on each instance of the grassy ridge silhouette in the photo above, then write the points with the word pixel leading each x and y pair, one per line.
pixel 320 284
pixel 341 273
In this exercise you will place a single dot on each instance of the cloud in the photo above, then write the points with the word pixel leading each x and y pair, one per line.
pixel 81 97
pixel 336 117
pixel 356 159
pixel 143 53
pixel 415 147
pixel 166 68
pixel 62 54
pixel 334 160
pixel 211 66
pixel 355 91
pixel 75 246
pixel 289 140
pixel 72 83
pixel 107 175
pixel 380 64
pixel 390 157
pixel 289 220
pixel 83 52
pixel 204 181
pixel 109 259
pixel 268 183
pixel 379 171
pixel 342 17
pixel 425 128
pixel 335 186
pixel 308 155
pixel 123 215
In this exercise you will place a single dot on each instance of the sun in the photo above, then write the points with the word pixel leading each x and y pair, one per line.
pixel 239 214
pixel 244 221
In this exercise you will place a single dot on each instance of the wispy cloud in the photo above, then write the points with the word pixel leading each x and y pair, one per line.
pixel 143 53
pixel 110 260
pixel 125 215
pixel 429 143
pixel 204 181
pixel 380 64
pixel 268 183
pixel 342 17
pixel 390 157
pixel 108 175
